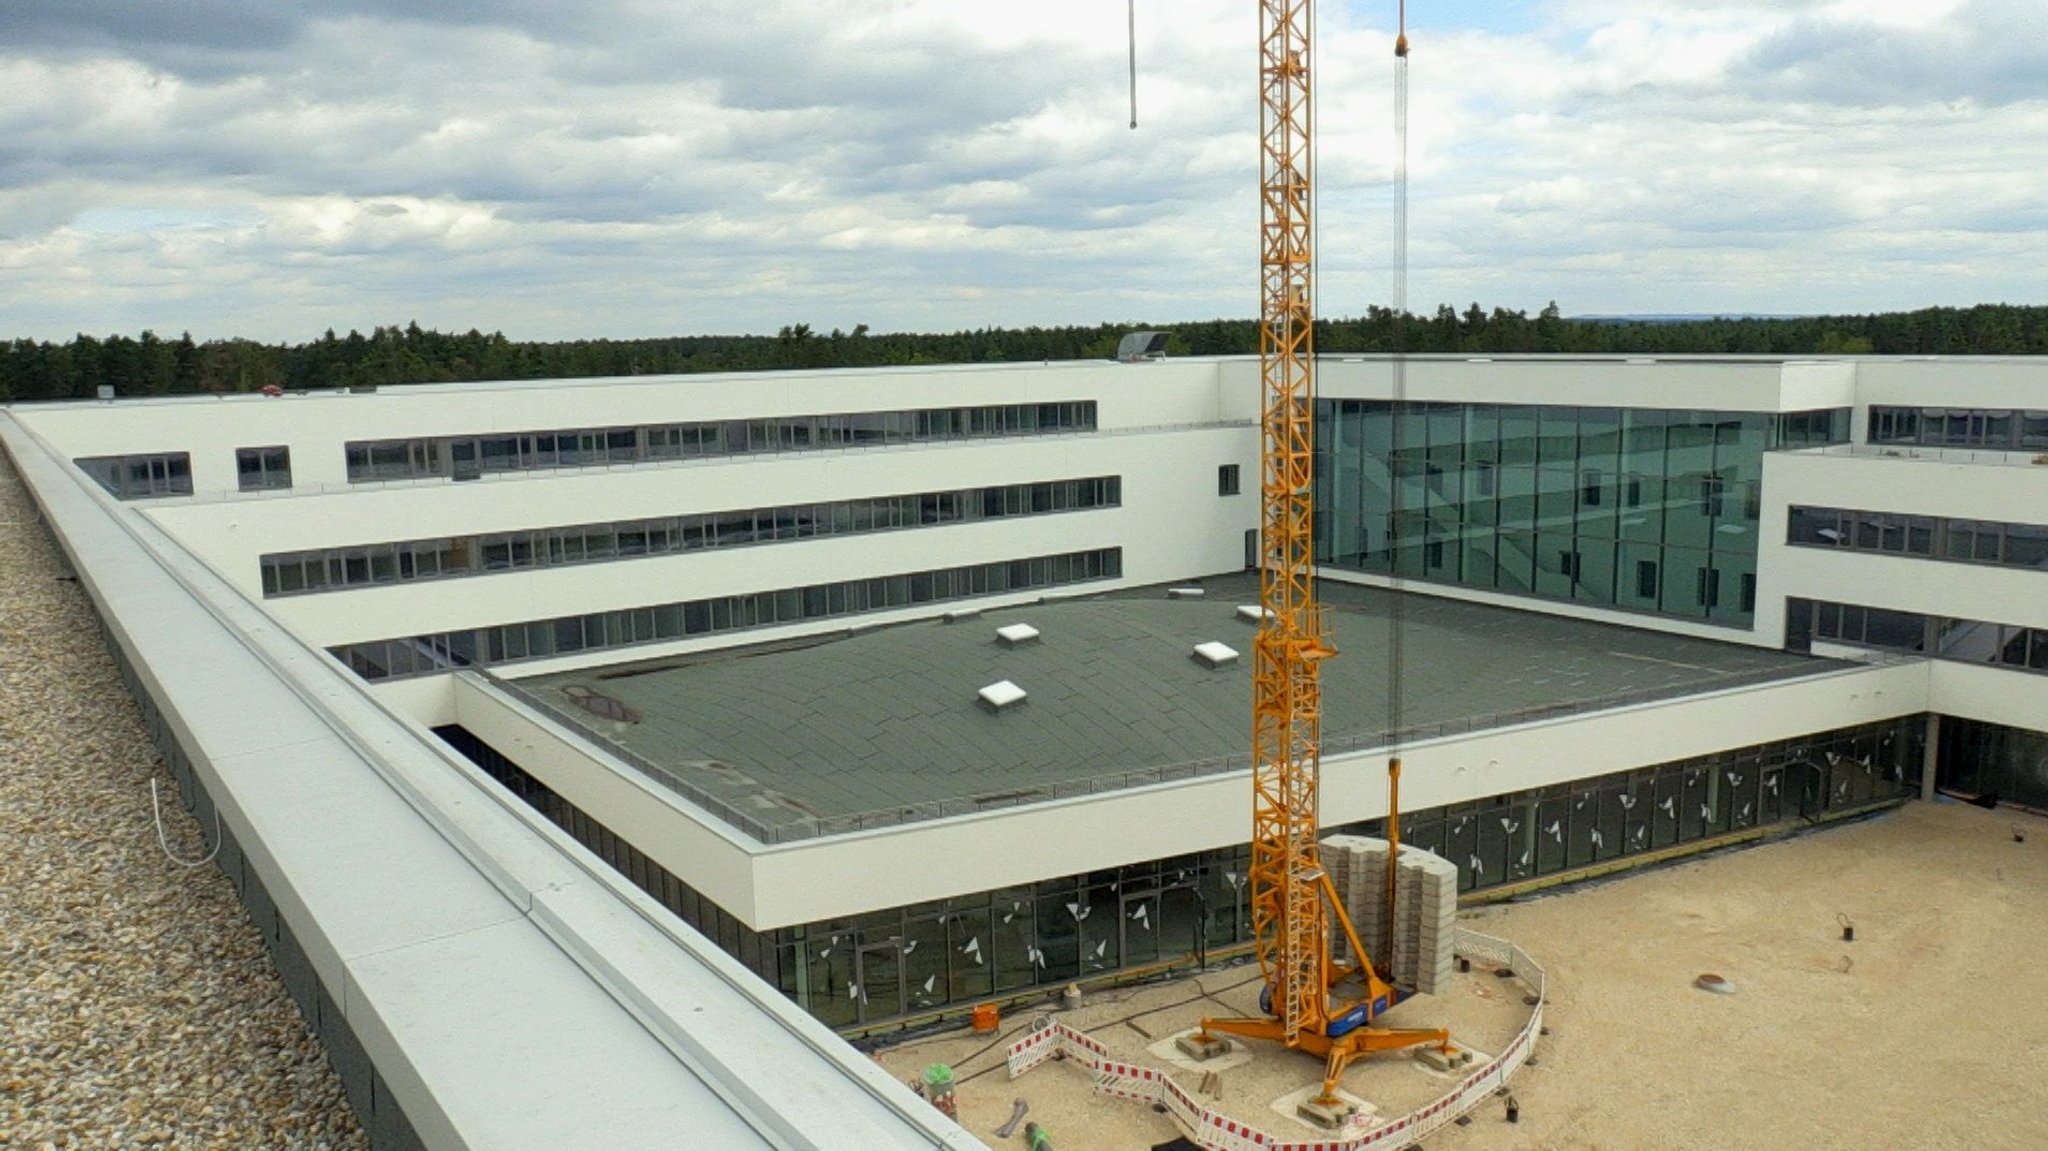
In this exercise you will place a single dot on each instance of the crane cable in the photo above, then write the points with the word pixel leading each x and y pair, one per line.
pixel 1397 544
pixel 1131 17
pixel 1399 365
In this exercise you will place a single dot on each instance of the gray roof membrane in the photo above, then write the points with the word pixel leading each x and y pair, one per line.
pixel 885 721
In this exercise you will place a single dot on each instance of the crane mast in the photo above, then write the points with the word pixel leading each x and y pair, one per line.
pixel 1295 908
pixel 1287 903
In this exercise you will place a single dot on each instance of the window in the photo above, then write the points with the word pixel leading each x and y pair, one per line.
pixel 141 476
pixel 1568 563
pixel 1711 489
pixel 1708 593
pixel 381 659
pixel 1227 480
pixel 1646 579
pixel 1589 488
pixel 263 469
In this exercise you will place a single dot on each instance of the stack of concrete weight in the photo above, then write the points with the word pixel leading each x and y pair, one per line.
pixel 1426 921
pixel 1357 866
pixel 1425 908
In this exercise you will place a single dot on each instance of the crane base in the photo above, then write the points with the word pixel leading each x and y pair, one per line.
pixel 1202 1047
pixel 1327 1114
pixel 1443 1058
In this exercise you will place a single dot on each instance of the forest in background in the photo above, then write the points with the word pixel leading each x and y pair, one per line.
pixel 149 364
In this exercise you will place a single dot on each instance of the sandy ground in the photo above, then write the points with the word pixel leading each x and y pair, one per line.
pixel 1930 1030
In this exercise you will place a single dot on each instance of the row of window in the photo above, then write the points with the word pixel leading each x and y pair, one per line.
pixel 465 457
pixel 540 639
pixel 1528 834
pixel 1938 537
pixel 143 476
pixel 153 474
pixel 1991 429
pixel 294 573
pixel 871 968
pixel 1943 637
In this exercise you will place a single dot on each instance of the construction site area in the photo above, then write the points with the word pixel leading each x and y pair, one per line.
pixel 1923 1029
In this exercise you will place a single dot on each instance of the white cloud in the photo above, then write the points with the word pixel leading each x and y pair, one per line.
pixel 628 167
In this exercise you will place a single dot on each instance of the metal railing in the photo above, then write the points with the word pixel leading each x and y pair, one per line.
pixel 1933 454
pixel 804 826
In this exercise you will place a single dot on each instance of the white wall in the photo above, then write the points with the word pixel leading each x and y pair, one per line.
pixel 1903 486
pixel 315 425
pixel 1720 384
pixel 1171 525
pixel 774 886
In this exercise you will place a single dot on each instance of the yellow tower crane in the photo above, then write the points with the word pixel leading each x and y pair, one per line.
pixel 1313 1003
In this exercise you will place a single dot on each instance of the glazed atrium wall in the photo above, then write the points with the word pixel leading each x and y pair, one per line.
pixel 1646 509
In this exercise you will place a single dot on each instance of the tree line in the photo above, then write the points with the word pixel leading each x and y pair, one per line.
pixel 151 365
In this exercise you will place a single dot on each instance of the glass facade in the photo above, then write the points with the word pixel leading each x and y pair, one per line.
pixel 1943 637
pixel 871 969
pixel 1644 509
pixel 469 456
pixel 1992 759
pixel 1991 429
pixel 1528 834
pixel 449 557
pixel 1936 537
pixel 541 638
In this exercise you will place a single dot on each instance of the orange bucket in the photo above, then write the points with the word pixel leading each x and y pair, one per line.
pixel 986 1017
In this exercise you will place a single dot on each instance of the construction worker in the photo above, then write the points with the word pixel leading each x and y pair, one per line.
pixel 1036 1139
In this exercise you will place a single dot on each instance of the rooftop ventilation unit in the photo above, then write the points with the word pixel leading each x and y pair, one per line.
pixel 1214 655
pixel 963 614
pixel 1016 634
pixel 1001 695
pixel 1184 593
pixel 1138 347
pixel 1253 613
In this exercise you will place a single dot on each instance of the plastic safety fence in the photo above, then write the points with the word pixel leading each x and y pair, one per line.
pixel 1219 1132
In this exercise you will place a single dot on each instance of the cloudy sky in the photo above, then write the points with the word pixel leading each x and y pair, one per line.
pixel 271 168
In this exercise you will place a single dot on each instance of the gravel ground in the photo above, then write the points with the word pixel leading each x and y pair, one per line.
pixel 138 1007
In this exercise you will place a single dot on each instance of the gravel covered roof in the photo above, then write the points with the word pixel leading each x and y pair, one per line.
pixel 139 1005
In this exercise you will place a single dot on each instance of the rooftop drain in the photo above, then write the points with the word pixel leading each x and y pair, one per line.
pixel 1184 593
pixel 1213 654
pixel 1001 695
pixel 1016 634
pixel 1253 613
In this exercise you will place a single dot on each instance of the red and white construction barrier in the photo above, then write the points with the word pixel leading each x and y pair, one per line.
pixel 1219 1132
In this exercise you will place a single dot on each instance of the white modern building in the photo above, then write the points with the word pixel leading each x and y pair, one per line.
pixel 732 635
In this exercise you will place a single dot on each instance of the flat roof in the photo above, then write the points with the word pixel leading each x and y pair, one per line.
pixel 883 725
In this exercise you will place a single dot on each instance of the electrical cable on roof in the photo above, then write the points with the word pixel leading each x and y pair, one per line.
pixel 156 812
